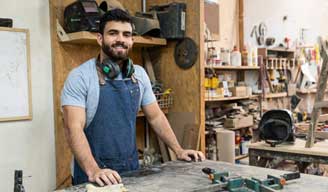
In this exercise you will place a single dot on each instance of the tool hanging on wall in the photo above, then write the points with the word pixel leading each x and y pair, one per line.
pixel 172 19
pixel 6 22
pixel 82 15
pixel 107 5
pixel 185 53
pixel 18 187
pixel 146 24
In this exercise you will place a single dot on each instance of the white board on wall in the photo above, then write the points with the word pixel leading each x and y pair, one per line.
pixel 15 81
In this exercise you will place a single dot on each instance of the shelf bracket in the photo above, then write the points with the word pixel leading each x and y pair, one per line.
pixel 62 35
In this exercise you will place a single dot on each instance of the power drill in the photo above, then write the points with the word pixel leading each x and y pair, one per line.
pixel 18 187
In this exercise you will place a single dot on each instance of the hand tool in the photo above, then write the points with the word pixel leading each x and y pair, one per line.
pixel 241 184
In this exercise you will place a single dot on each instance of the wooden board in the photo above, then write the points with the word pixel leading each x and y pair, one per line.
pixel 85 37
pixel 64 58
pixel 319 148
pixel 186 84
pixel 232 67
pixel 188 177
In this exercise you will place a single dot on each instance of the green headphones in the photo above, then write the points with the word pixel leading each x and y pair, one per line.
pixel 112 69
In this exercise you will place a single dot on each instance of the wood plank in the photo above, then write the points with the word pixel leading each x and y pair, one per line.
pixel 322 84
pixel 275 95
pixel 163 150
pixel 229 98
pixel 319 148
pixel 64 58
pixel 186 84
pixel 241 24
pixel 190 136
pixel 239 157
pixel 232 67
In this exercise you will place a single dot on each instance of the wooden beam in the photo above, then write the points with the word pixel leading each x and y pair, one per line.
pixel 241 24
pixel 322 84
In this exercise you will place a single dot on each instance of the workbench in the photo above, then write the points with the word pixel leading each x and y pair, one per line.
pixel 261 152
pixel 187 177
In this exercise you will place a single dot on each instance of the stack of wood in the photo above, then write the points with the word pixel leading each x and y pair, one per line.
pixel 232 115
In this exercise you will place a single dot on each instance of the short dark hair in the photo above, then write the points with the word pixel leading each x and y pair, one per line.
pixel 114 15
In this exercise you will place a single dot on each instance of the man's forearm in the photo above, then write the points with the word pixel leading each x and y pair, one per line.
pixel 163 129
pixel 81 150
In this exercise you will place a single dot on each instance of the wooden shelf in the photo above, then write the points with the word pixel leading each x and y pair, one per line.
pixel 280 49
pixel 232 67
pixel 241 157
pixel 229 98
pixel 234 129
pixel 211 40
pixel 276 95
pixel 85 37
pixel 306 91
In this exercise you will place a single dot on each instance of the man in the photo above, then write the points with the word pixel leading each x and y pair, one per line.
pixel 100 102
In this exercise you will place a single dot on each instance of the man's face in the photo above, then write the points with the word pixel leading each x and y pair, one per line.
pixel 116 40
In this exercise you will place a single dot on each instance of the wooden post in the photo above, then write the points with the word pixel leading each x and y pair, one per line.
pixel 321 87
pixel 241 24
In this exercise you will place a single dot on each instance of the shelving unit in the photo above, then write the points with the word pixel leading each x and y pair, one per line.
pixel 212 101
pixel 229 98
pixel 88 38
pixel 232 67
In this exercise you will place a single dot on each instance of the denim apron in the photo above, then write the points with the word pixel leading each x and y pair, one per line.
pixel 112 133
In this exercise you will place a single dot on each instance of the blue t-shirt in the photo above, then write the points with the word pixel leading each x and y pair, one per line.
pixel 81 88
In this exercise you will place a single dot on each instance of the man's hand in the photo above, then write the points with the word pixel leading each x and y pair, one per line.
pixel 105 177
pixel 189 155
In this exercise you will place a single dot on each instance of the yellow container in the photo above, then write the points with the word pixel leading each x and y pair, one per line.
pixel 214 82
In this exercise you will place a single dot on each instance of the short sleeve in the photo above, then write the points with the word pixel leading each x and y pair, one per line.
pixel 148 96
pixel 74 91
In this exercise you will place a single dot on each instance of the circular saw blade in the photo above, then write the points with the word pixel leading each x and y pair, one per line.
pixel 185 53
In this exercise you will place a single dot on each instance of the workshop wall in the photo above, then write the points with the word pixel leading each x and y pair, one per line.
pixel 29 145
pixel 228 24
pixel 310 15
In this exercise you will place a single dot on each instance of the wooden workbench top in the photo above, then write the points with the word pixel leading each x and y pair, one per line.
pixel 319 148
pixel 188 177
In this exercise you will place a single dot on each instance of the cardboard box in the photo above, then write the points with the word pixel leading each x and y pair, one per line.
pixel 240 122
pixel 238 91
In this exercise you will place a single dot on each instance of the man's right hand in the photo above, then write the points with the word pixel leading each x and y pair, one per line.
pixel 105 177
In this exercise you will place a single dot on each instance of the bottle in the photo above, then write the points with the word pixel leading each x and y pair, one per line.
pixel 249 56
pixel 235 57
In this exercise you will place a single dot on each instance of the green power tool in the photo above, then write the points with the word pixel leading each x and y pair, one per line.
pixel 241 184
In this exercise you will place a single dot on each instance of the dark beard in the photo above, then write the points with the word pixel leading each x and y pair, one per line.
pixel 108 50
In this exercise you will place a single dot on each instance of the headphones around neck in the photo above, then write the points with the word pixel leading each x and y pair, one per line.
pixel 111 69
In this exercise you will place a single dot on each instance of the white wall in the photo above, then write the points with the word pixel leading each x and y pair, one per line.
pixel 309 14
pixel 29 145
pixel 228 24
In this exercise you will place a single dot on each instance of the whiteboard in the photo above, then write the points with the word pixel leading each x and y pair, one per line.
pixel 15 81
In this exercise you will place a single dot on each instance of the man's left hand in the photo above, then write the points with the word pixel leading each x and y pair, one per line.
pixel 189 155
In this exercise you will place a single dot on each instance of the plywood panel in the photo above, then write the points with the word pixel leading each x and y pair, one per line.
pixel 65 58
pixel 186 84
